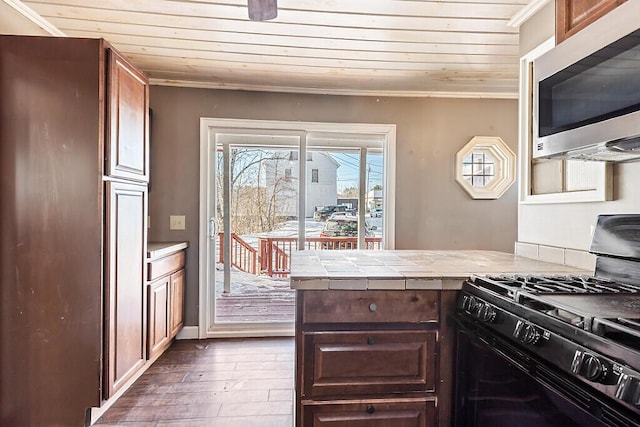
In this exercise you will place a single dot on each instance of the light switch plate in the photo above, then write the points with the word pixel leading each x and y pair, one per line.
pixel 176 222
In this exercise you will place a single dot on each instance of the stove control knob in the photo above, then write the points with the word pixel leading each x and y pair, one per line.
pixel 526 333
pixel 628 389
pixel 486 313
pixel 470 304
pixel 590 366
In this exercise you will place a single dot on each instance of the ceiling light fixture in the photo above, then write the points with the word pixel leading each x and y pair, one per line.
pixel 262 10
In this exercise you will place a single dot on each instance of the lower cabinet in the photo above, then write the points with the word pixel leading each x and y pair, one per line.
pixel 158 298
pixel 373 358
pixel 372 413
pixel 165 292
pixel 176 298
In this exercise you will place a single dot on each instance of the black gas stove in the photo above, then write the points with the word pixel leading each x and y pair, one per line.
pixel 577 338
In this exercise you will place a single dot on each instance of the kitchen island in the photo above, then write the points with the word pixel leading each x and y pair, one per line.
pixel 374 335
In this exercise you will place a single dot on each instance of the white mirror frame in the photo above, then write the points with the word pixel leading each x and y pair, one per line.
pixel 505 167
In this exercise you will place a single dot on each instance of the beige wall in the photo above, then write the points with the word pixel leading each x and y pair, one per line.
pixel 568 225
pixel 538 29
pixel 432 211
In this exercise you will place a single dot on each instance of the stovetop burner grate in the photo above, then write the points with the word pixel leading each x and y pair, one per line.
pixel 603 307
pixel 630 323
pixel 508 285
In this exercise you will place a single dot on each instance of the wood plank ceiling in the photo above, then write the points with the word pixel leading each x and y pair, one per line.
pixel 372 47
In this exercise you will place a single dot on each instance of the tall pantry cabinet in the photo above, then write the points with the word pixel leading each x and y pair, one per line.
pixel 73 188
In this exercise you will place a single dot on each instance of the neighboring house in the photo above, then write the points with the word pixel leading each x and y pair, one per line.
pixel 282 177
pixel 374 199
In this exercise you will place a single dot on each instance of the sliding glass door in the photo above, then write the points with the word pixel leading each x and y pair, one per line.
pixel 269 193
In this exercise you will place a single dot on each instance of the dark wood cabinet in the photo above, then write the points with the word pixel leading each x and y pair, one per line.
pixel 370 307
pixel 369 362
pixel 371 413
pixel 176 307
pixel 73 315
pixel 373 358
pixel 125 306
pixel 574 15
pixel 127 142
pixel 158 314
pixel 166 304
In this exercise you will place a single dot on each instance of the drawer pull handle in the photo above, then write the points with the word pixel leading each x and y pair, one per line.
pixel 370 409
pixel 373 307
pixel 371 340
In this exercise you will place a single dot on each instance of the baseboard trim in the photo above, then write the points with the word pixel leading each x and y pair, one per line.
pixel 188 333
pixel 96 413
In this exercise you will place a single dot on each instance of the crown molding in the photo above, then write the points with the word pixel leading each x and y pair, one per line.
pixel 526 12
pixel 346 92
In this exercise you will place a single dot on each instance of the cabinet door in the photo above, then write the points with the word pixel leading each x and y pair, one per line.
pixel 125 299
pixel 375 413
pixel 574 15
pixel 369 362
pixel 127 150
pixel 176 312
pixel 158 316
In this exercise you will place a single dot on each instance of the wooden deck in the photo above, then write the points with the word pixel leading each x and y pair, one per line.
pixel 255 299
pixel 255 308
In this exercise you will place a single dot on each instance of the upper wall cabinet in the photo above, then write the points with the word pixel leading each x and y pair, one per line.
pixel 573 15
pixel 127 121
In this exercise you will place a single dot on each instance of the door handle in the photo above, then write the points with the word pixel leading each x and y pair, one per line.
pixel 212 228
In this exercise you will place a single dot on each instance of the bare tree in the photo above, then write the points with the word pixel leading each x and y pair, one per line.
pixel 350 193
pixel 254 204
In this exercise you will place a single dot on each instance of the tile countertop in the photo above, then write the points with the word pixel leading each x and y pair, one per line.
pixel 160 249
pixel 407 269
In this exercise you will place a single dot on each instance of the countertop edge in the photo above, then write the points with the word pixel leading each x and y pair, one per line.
pixel 160 249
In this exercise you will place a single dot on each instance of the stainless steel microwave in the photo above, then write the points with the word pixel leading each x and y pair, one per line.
pixel 587 92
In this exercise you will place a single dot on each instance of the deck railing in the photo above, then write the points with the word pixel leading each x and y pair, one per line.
pixel 275 252
pixel 243 256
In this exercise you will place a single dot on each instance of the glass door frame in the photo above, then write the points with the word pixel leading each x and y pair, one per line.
pixel 209 128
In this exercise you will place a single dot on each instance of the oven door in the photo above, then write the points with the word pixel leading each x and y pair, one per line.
pixel 498 384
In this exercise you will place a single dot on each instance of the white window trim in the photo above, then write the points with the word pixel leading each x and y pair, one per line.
pixel 604 188
pixel 504 167
pixel 208 129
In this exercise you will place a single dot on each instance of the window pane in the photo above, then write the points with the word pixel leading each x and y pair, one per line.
pixel 263 217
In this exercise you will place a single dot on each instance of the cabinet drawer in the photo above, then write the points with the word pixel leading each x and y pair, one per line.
pixel 369 362
pixel 374 413
pixel 163 266
pixel 370 306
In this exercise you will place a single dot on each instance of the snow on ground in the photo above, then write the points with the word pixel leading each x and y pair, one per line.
pixel 313 229
pixel 243 283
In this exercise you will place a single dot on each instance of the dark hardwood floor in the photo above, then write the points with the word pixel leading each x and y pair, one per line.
pixel 223 382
